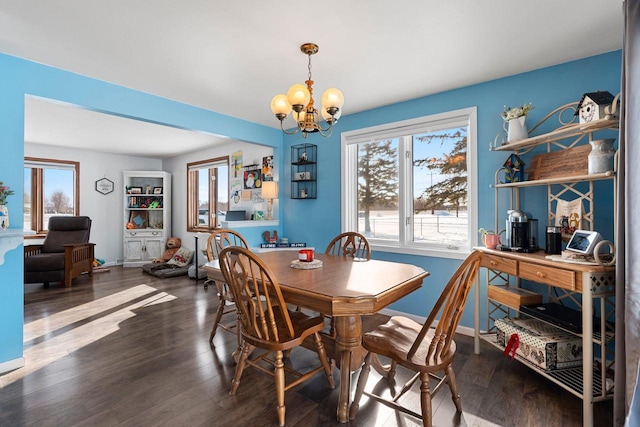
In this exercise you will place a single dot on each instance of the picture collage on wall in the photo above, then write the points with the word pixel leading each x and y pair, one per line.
pixel 246 180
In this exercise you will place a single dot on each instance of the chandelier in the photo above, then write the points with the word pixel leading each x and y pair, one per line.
pixel 299 98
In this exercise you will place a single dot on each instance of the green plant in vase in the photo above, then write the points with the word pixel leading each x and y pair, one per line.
pixel 4 193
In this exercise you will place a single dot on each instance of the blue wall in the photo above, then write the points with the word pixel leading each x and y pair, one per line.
pixel 546 89
pixel 19 78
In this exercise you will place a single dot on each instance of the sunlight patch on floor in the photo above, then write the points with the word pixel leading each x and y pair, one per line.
pixel 56 321
pixel 62 345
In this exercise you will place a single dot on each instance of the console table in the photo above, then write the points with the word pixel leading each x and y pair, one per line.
pixel 583 284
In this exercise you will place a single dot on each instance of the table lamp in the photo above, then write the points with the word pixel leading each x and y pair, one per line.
pixel 269 192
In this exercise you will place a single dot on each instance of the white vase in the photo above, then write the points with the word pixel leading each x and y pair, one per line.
pixel 517 129
pixel 601 155
pixel 4 217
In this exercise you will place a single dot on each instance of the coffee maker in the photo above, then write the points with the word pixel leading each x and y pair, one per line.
pixel 521 234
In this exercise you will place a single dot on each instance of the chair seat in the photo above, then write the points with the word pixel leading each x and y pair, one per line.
pixel 44 262
pixel 303 326
pixel 395 338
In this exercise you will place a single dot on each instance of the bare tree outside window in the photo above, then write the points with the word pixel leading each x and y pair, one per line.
pixel 60 203
pixel 451 192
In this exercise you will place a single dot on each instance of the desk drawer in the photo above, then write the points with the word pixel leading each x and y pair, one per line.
pixel 549 276
pixel 509 266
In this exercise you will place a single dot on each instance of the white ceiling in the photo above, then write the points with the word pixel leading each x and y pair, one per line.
pixel 233 56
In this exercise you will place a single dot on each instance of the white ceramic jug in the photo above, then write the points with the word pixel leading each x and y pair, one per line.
pixel 516 129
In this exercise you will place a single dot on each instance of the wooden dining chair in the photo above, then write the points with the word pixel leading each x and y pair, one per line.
pixel 218 240
pixel 350 244
pixel 425 349
pixel 267 323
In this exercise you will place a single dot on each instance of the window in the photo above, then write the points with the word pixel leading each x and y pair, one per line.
pixel 406 185
pixel 207 193
pixel 50 188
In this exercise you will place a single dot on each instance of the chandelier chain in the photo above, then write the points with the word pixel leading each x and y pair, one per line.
pixel 309 67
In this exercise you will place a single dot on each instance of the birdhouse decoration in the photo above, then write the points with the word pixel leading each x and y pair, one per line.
pixel 513 169
pixel 592 106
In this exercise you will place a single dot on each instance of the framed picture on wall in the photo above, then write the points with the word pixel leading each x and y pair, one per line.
pixel 236 164
pixel 252 177
pixel 267 168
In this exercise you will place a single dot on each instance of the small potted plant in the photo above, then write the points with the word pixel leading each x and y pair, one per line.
pixel 489 238
pixel 510 113
pixel 515 121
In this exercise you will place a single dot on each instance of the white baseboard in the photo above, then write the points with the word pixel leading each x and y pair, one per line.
pixel 462 330
pixel 11 365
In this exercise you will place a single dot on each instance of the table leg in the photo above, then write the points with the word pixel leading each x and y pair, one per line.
pixel 348 340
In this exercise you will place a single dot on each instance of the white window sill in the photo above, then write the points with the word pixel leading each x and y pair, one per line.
pixel 429 252
pixel 242 224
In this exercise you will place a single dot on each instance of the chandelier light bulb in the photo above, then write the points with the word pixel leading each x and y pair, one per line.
pixel 280 106
pixel 332 98
pixel 298 96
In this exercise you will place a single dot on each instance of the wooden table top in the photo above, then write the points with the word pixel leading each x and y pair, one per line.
pixel 540 257
pixel 341 286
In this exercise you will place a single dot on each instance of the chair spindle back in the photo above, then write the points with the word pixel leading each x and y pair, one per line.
pixel 453 298
pixel 220 239
pixel 261 307
pixel 349 244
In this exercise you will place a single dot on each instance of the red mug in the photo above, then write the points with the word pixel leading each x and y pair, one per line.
pixel 305 255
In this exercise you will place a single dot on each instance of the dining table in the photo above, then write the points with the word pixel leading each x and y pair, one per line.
pixel 344 288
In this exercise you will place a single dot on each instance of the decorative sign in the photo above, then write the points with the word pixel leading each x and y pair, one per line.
pixel 104 186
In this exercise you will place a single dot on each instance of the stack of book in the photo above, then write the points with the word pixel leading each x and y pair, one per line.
pixel 283 245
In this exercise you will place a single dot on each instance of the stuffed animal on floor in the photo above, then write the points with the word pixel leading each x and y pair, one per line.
pixel 172 246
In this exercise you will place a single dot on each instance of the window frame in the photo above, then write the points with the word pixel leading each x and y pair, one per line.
pixel 401 129
pixel 193 207
pixel 37 190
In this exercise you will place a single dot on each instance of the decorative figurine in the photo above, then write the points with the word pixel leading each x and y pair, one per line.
pixel 270 238
pixel 513 169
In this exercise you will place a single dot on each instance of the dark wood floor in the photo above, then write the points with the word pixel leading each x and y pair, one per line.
pixel 126 349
